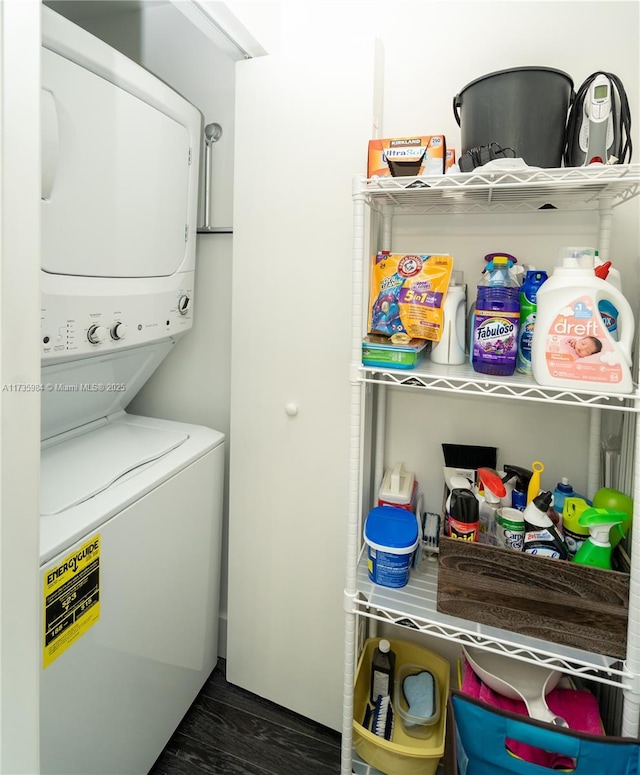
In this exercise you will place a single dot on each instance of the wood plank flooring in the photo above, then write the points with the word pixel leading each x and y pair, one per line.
pixel 229 731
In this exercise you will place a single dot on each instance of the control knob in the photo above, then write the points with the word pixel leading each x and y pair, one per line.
pixel 97 334
pixel 118 331
pixel 184 302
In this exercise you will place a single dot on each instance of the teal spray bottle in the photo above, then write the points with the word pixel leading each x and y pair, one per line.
pixel 596 550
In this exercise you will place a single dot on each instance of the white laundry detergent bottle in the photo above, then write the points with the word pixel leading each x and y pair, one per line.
pixel 572 346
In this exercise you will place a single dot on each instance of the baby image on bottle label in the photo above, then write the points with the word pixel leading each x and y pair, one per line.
pixel 577 346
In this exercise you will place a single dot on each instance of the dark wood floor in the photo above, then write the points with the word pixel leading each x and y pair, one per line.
pixel 229 731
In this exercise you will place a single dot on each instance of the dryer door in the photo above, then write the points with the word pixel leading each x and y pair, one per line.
pixel 115 178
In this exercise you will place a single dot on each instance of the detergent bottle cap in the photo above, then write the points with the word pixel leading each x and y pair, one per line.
pixel 536 511
pixel 564 485
pixel 606 271
pixel 543 501
pixel 497 272
pixel 578 259
pixel 384 646
pixel 457 278
pixel 602 270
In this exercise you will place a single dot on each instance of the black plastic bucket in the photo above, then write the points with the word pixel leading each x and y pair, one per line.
pixel 524 108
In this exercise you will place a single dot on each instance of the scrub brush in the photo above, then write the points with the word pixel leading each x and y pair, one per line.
pixel 382 724
pixel 431 533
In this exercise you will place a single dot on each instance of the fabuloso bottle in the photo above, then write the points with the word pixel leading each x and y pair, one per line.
pixel 494 345
pixel 528 307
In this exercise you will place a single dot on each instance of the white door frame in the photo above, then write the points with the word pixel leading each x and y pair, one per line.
pixel 19 383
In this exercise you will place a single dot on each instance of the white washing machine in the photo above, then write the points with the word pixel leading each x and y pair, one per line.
pixel 131 507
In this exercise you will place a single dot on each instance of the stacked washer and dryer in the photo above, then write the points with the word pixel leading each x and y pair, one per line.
pixel 131 507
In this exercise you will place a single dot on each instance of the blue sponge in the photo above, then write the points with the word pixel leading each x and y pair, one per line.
pixel 420 693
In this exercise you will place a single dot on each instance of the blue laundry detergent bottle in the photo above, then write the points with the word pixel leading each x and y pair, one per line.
pixel 494 345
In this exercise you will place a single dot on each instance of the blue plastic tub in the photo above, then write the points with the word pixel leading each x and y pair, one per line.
pixel 391 535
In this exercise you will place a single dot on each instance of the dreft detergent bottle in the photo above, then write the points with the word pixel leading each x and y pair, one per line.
pixel 571 343
pixel 494 345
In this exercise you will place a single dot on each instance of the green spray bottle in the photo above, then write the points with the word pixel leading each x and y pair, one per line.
pixel 596 550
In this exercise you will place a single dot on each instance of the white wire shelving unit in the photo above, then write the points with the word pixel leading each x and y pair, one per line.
pixel 600 189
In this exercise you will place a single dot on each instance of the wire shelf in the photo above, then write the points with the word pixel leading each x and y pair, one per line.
pixel 415 606
pixel 572 188
pixel 464 380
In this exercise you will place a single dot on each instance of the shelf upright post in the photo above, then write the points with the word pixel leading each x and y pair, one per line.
pixel 605 213
pixel 355 473
pixel 606 224
pixel 387 222
pixel 631 706
pixel 593 461
pixel 381 390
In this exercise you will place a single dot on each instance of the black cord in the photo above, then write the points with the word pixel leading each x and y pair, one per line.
pixel 622 123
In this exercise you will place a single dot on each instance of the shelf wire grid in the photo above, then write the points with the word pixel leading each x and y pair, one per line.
pixel 573 188
pixel 461 379
pixel 415 607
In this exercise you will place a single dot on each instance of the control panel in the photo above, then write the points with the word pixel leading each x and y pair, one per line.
pixel 75 325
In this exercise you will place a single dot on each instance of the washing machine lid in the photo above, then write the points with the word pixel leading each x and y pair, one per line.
pixel 79 467
pixel 83 390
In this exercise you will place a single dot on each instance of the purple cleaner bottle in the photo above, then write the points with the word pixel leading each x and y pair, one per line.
pixel 495 328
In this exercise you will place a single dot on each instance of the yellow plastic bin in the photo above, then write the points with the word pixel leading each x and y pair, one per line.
pixel 403 754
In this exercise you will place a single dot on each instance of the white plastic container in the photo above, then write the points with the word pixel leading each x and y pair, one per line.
pixel 392 536
pixel 398 488
pixel 451 347
pixel 416 726
pixel 571 344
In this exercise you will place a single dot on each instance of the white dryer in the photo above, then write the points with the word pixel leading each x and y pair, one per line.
pixel 131 507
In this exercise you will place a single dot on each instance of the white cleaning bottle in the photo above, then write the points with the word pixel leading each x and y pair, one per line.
pixel 571 344
pixel 451 347
pixel 540 536
pixel 490 502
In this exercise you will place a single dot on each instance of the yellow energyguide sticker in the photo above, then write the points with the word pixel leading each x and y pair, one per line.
pixel 71 599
